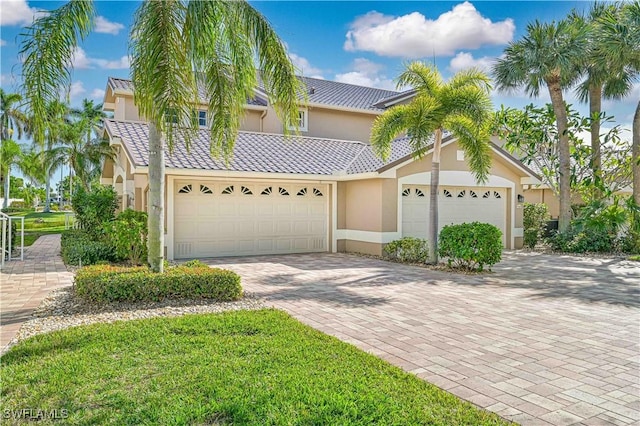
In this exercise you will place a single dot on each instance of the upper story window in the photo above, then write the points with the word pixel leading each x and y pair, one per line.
pixel 303 121
pixel 202 118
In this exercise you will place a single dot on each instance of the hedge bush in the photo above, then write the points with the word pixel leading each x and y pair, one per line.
pixel 80 248
pixel 471 245
pixel 534 221
pixel 106 283
pixel 408 249
pixel 95 208
pixel 128 235
pixel 575 241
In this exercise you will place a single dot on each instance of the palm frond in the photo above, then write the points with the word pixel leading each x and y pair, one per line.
pixel 164 80
pixel 474 141
pixel 422 77
pixel 387 127
pixel 47 50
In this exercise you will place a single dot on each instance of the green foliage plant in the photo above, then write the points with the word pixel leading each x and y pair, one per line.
pixel 107 283
pixel 128 235
pixel 94 208
pixel 471 246
pixel 80 248
pixel 408 249
pixel 535 216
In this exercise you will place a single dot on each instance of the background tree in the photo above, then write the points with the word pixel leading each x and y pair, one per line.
pixel 175 47
pixel 547 56
pixel 620 32
pixel 12 120
pixel 605 77
pixel 9 155
pixel 532 135
pixel 460 105
pixel 52 154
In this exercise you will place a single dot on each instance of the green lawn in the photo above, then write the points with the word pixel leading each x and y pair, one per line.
pixel 246 367
pixel 37 224
pixel 635 257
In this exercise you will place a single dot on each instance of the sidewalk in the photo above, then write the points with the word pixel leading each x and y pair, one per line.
pixel 24 284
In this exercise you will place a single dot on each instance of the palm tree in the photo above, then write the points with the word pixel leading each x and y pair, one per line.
pixel 52 154
pixel 83 153
pixel 12 119
pixel 32 167
pixel 547 56
pixel 621 34
pixel 9 155
pixel 175 45
pixel 460 105
pixel 605 76
pixel 92 115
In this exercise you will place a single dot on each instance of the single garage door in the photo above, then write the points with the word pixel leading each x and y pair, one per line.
pixel 249 218
pixel 456 205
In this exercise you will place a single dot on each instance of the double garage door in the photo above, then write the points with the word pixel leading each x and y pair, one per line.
pixel 249 218
pixel 455 205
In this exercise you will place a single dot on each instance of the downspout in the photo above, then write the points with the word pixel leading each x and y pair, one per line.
pixel 264 114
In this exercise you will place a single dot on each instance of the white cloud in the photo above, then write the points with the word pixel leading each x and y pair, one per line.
pixel 82 61
pixel 465 60
pixel 415 36
pixel 8 80
pixel 2 42
pixel 97 94
pixel 366 73
pixel 304 67
pixel 17 12
pixel 103 25
pixel 76 89
pixel 118 64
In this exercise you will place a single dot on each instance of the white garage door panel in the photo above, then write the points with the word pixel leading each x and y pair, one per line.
pixel 215 219
pixel 455 205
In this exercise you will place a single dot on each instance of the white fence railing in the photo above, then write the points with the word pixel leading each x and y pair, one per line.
pixel 70 221
pixel 6 239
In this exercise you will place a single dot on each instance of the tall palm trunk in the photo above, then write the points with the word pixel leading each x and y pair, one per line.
pixel 47 185
pixel 7 186
pixel 595 107
pixel 635 155
pixel 559 108
pixel 155 242
pixel 433 197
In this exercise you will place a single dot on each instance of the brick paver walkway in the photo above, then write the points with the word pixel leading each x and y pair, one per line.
pixel 543 340
pixel 24 284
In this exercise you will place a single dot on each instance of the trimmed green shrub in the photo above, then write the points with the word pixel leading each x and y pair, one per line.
pixel 106 283
pixel 95 208
pixel 630 242
pixel 408 249
pixel 575 241
pixel 471 245
pixel 80 248
pixel 128 235
pixel 534 220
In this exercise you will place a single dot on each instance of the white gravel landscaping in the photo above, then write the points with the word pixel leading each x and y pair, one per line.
pixel 63 309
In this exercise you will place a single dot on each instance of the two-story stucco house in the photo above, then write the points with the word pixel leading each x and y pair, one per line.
pixel 322 191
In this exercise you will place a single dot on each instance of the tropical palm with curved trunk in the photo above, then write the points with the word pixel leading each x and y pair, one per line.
pixel 605 75
pixel 547 56
pixel 12 120
pixel 620 32
pixel 176 46
pixel 461 106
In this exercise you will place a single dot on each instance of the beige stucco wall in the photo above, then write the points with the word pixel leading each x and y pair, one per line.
pixel 363 206
pixel 363 247
pixel 327 123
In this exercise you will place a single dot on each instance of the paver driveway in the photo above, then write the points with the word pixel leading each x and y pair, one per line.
pixel 543 340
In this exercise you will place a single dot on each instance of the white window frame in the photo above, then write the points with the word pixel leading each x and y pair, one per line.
pixel 303 123
pixel 205 118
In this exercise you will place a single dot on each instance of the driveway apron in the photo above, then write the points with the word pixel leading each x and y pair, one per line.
pixel 543 339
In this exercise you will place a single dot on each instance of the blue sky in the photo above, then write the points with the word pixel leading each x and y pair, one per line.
pixel 357 42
